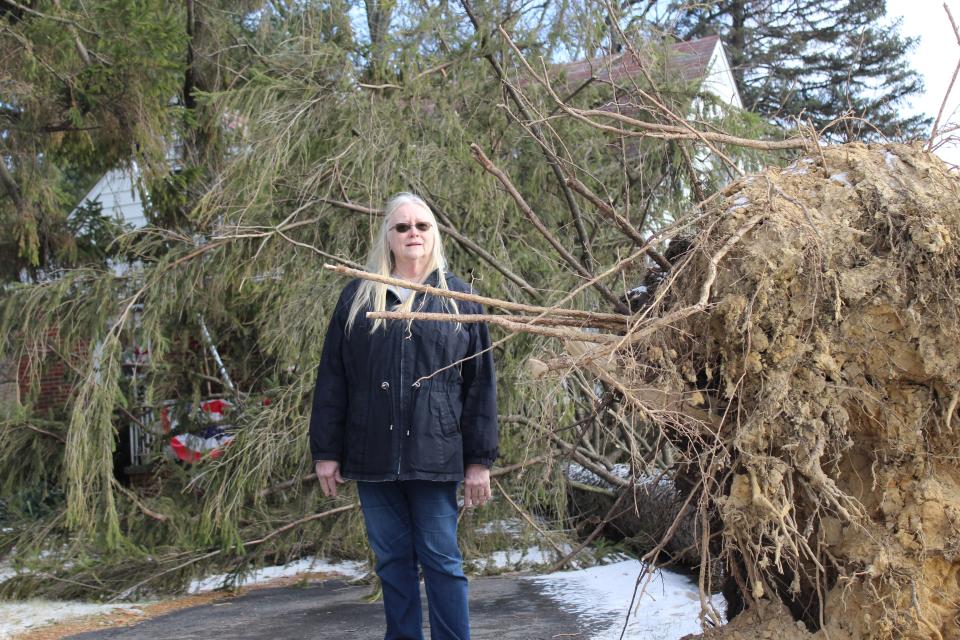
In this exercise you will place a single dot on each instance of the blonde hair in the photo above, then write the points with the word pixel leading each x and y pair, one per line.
pixel 372 296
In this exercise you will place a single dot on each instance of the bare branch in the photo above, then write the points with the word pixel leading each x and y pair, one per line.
pixel 956 70
pixel 663 109
pixel 562 562
pixel 501 321
pixel 469 297
pixel 55 436
pixel 359 208
pixel 656 130
pixel 529 520
pixel 502 471
pixel 628 229
pixel 296 523
pixel 535 220
pixel 473 318
pixel 669 132
pixel 550 156
pixel 150 513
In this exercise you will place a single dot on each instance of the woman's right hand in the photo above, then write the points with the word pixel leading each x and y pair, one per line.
pixel 328 473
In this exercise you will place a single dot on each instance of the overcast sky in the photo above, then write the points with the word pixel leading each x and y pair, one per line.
pixel 935 57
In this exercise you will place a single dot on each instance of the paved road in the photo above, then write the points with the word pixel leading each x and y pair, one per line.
pixel 502 608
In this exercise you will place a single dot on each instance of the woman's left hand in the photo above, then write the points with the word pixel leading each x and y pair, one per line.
pixel 476 485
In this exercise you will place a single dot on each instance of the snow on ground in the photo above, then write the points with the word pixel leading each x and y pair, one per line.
pixel 528 558
pixel 515 559
pixel 669 609
pixel 508 526
pixel 350 570
pixel 17 617
pixel 599 595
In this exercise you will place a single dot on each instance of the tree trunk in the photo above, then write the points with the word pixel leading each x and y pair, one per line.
pixel 644 520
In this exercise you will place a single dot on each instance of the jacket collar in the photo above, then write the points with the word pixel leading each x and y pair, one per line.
pixel 431 281
pixel 433 278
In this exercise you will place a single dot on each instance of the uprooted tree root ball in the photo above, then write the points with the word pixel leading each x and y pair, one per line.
pixel 812 333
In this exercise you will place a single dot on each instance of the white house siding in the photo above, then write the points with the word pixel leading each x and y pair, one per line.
pixel 118 193
pixel 719 79
pixel 719 82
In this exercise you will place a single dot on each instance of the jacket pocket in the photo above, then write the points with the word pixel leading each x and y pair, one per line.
pixel 443 412
pixel 437 446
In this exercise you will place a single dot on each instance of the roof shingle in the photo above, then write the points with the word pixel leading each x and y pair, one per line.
pixel 687 61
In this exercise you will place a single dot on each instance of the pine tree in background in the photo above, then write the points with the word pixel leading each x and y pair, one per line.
pixel 817 59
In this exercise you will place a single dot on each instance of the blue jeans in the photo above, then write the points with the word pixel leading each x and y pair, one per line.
pixel 410 521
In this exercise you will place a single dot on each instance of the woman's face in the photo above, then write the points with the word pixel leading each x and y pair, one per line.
pixel 412 246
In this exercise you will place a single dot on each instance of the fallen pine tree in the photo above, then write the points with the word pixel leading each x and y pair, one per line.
pixel 790 364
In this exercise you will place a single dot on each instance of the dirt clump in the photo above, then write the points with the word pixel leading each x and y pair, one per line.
pixel 815 320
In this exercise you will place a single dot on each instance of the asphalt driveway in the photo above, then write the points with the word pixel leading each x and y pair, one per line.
pixel 502 608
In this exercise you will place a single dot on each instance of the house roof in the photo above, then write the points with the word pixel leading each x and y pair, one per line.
pixel 687 61
pixel 692 59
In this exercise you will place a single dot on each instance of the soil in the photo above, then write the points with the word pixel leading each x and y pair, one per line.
pixel 830 339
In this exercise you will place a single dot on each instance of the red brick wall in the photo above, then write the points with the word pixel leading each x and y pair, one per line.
pixel 57 370
pixel 9 383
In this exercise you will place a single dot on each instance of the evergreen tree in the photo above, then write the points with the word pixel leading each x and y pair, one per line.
pixel 88 87
pixel 290 125
pixel 817 59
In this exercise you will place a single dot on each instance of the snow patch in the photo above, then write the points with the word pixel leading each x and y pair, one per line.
pixel 668 609
pixel 577 473
pixel 517 559
pixel 18 617
pixel 841 178
pixel 510 526
pixel 352 570
pixel 796 169
pixel 739 203
pixel 6 571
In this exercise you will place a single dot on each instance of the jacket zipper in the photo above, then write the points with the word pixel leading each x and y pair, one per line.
pixel 400 412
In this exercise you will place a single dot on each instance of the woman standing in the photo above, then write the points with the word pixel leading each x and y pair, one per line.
pixel 390 412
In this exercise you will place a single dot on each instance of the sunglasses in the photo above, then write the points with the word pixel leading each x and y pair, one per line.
pixel 403 227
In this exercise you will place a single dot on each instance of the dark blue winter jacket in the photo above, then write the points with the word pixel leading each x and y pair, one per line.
pixel 377 412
